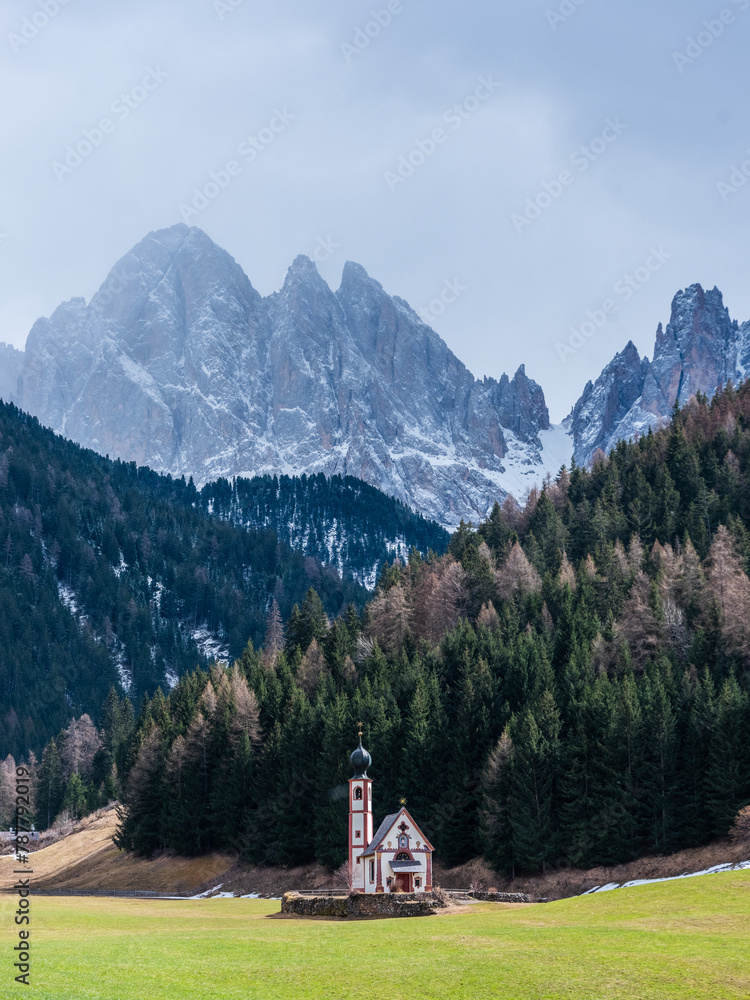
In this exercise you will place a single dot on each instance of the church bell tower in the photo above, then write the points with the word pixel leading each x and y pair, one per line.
pixel 360 813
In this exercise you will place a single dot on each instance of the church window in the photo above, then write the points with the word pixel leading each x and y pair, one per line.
pixel 402 856
pixel 359 860
pixel 417 882
pixel 357 834
pixel 372 871
pixel 357 793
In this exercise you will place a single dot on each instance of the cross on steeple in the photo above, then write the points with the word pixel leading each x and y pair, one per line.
pixel 360 724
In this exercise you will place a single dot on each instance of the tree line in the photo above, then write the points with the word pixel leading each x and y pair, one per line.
pixel 568 684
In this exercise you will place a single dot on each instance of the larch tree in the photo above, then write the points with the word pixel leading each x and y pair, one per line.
pixel 729 587
pixel 517 575
pixel 79 747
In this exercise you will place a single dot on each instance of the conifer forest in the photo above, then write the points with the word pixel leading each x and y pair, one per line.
pixel 567 683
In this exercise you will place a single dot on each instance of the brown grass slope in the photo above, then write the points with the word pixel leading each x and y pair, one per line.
pixel 88 859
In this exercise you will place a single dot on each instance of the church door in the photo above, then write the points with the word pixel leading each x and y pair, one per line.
pixel 403 882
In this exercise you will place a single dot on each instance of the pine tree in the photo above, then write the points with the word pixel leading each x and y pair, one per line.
pixel 50 787
pixel 533 796
pixel 74 800
pixel 495 825
pixel 727 780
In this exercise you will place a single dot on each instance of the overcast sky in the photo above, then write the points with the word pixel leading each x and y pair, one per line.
pixel 318 105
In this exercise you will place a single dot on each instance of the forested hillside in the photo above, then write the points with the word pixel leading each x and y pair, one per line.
pixel 569 684
pixel 113 575
pixel 342 521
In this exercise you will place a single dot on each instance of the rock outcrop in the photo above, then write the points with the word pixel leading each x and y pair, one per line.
pixel 700 350
pixel 179 364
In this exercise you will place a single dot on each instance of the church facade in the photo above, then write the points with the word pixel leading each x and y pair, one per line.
pixel 395 858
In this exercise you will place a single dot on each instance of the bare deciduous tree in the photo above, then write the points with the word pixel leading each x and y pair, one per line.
pixel 517 574
pixel 488 617
pixel 389 618
pixel 567 575
pixel 638 624
pixel 344 877
pixel 7 792
pixel 729 586
pixel 79 747
pixel 312 668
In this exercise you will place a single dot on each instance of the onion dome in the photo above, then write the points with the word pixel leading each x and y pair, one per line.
pixel 360 760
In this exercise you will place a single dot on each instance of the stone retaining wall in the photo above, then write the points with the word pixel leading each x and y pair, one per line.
pixel 360 905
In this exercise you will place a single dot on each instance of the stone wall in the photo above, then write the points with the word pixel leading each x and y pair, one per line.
pixel 360 905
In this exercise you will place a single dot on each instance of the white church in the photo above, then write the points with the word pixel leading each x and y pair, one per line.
pixel 398 858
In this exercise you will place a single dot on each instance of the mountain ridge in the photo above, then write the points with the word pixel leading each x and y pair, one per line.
pixel 178 363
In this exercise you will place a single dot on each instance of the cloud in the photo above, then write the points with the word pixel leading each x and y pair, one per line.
pixel 229 69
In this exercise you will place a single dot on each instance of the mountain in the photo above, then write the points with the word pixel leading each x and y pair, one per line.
pixel 111 574
pixel 179 364
pixel 700 350
pixel 10 368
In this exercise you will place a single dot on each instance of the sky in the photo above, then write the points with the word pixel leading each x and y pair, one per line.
pixel 537 178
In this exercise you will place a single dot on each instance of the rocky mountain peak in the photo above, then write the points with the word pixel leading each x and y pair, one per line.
pixel 699 350
pixel 178 363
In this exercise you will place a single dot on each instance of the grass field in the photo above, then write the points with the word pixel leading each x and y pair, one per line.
pixel 688 939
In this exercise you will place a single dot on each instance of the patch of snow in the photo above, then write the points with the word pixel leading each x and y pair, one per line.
pixel 211 646
pixel 208 892
pixel 729 867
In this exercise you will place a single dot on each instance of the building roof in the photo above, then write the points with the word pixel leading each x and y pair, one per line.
pixel 406 866
pixel 382 830
pixel 360 760
pixel 387 824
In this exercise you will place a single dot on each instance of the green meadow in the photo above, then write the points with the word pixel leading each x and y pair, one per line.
pixel 687 939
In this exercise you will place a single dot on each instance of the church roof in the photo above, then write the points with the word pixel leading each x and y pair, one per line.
pixel 406 866
pixel 382 830
pixel 388 823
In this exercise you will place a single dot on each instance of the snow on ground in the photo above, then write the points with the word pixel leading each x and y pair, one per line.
pixel 68 597
pixel 671 878
pixel 211 647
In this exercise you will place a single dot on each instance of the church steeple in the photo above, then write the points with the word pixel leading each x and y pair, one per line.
pixel 360 759
pixel 360 812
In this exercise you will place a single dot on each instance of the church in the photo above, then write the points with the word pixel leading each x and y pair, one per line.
pixel 398 858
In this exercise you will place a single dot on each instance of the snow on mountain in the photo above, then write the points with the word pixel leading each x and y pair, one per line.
pixel 700 350
pixel 179 364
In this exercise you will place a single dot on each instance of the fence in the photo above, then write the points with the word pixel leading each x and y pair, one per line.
pixel 125 893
